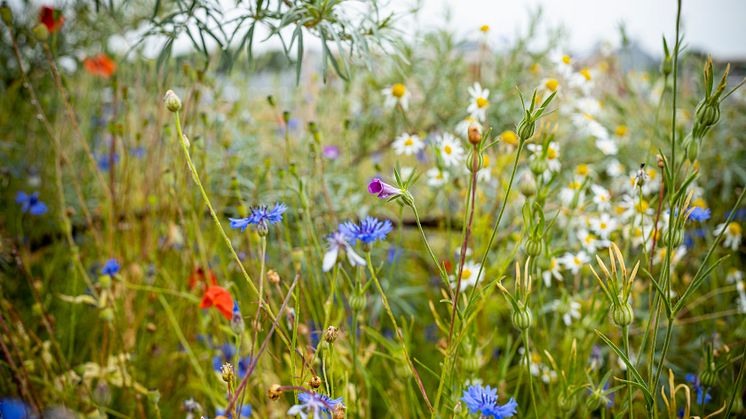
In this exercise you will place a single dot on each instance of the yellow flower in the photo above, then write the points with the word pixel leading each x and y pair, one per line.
pixel 566 59
pixel 509 137
pixel 398 90
pixel 621 130
pixel 484 28
pixel 582 169
pixel 535 68
pixel 734 229
pixel 586 73
pixel 552 84
pixel 482 102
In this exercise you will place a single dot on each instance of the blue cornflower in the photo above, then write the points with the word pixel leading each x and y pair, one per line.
pixel 14 408
pixel 314 405
pixel 30 203
pixel 104 161
pixel 483 400
pixel 261 216
pixel 697 386
pixel 368 231
pixel 699 214
pixel 111 267
pixel 244 413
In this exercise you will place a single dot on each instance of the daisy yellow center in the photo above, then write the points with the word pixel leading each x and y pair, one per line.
pixel 734 229
pixel 582 169
pixel 576 260
pixel 699 202
pixel 566 59
pixel 621 130
pixel 652 174
pixel 553 264
pixel 637 232
pixel 484 28
pixel 466 274
pixel 586 74
pixel 552 84
pixel 642 206
pixel 551 153
pixel 535 358
pixel 398 90
pixel 619 210
pixel 603 225
pixel 447 149
pixel 509 137
pixel 574 185
pixel 439 176
pixel 409 141
pixel 588 116
pixel 482 102
pixel 486 161
pixel 535 68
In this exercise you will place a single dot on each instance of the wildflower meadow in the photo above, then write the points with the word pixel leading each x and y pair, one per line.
pixel 363 223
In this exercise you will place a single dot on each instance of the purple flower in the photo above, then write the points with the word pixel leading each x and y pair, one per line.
pixel 313 405
pixel 245 412
pixel 483 400
pixel 331 152
pixel 703 396
pixel 340 241
pixel 111 267
pixel 699 214
pixel 382 189
pixel 30 203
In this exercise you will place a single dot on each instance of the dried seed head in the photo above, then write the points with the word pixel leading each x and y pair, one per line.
pixel 315 382
pixel 274 392
pixel 273 277
pixel 339 411
pixel 226 372
pixel 331 333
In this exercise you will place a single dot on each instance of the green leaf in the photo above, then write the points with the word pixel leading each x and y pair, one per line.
pixel 630 367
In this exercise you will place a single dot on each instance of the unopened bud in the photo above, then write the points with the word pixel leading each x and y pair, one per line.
pixel 331 333
pixel 226 372
pixel 522 318
pixel 172 101
pixel 41 33
pixel 622 314
pixel 475 133
pixel 527 185
pixel 315 382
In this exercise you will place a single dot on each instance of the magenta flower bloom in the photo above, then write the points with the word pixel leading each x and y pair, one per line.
pixel 382 189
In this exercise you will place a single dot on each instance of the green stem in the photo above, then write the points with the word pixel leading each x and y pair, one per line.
pixel 527 354
pixel 399 334
pixel 625 332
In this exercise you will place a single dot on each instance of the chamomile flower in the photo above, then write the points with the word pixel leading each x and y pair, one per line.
pixel 614 168
pixel 468 275
pixel 450 150
pixel 601 197
pixel 562 62
pixel 574 262
pixel 603 225
pixel 436 177
pixel 396 94
pixel 550 85
pixel 574 191
pixel 589 241
pixel 548 375
pixel 479 102
pixel 552 271
pixel 408 144
pixel 733 234
pixel 552 155
pixel 485 173
pixel 568 308
pixel 607 145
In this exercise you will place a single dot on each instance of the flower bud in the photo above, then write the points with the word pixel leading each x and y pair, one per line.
pixel 475 133
pixel 538 166
pixel 474 161
pixel 314 382
pixel 358 302
pixel 526 128
pixel 675 239
pixel 527 185
pixel 667 65
pixel 522 318
pixel 106 314
pixel 708 378
pixel 533 246
pixel 622 314
pixel 273 277
pixel 471 363
pixel 596 399
pixel 566 402
pixel 41 33
pixel 104 281
pixel 173 103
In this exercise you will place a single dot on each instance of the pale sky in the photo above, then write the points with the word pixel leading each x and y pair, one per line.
pixel 715 26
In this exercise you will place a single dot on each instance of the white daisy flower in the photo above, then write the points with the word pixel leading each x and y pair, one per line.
pixel 479 101
pixel 603 225
pixel 574 262
pixel 450 150
pixel 553 271
pixel 608 146
pixel 562 62
pixel 468 275
pixel 601 197
pixel 396 94
pixel 574 190
pixel 408 144
pixel 733 234
pixel 436 177
pixel 614 168
pixel 589 241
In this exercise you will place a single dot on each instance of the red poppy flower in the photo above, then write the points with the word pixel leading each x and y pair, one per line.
pixel 100 65
pixel 448 266
pixel 51 18
pixel 198 274
pixel 219 298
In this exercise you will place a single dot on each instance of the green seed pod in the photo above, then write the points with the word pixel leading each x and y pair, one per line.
pixel 527 185
pixel 675 239
pixel 596 399
pixel 522 319
pixel 526 129
pixel 667 66
pixel 471 363
pixel 567 403
pixel 533 246
pixel 538 166
pixel 41 33
pixel 470 161
pixel 622 314
pixel 708 378
pixel 172 101
pixel 106 314
pixel 358 302
pixel 708 113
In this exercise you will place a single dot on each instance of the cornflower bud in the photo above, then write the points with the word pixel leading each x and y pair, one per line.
pixel 331 333
pixel 172 101
pixel 226 372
